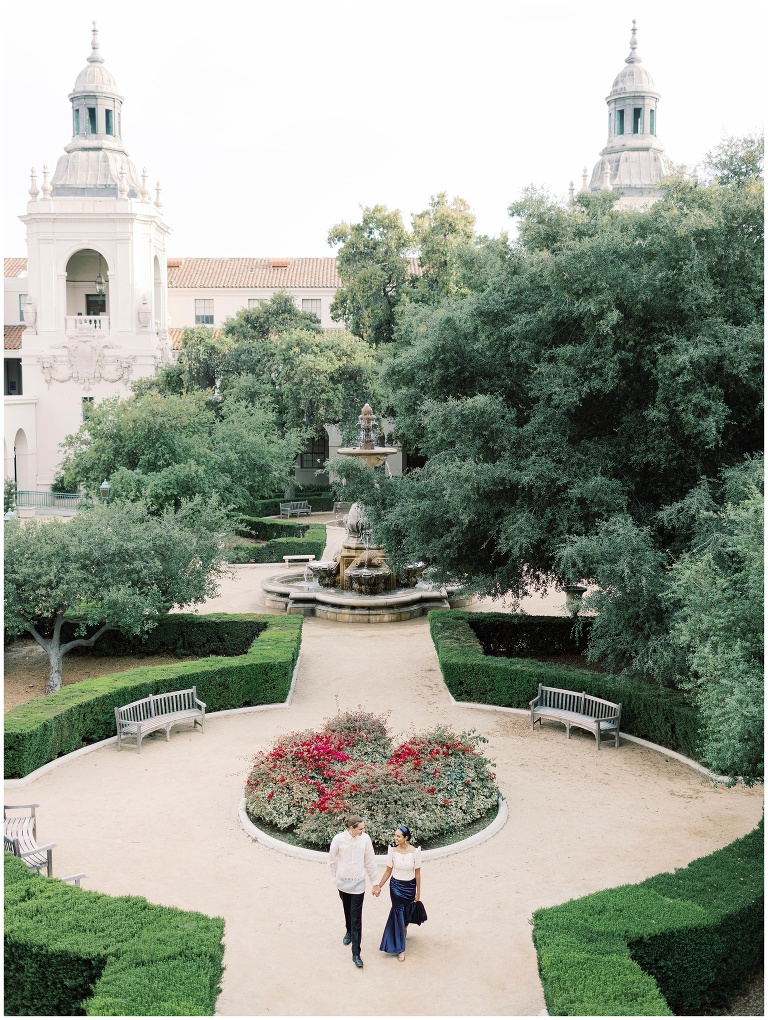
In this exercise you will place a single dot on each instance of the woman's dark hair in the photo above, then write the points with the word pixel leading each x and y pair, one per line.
pixel 405 830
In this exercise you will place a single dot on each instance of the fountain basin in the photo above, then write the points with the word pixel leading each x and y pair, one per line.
pixel 287 593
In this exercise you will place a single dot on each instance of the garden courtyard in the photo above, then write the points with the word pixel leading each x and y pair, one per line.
pixel 164 825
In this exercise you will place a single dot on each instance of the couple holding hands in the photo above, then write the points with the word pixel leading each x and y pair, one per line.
pixel 351 857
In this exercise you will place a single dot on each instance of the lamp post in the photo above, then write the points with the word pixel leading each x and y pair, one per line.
pixel 9 515
pixel 104 490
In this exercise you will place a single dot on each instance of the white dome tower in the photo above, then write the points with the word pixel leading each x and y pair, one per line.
pixel 633 155
pixel 96 311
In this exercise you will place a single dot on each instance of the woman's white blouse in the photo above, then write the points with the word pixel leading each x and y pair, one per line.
pixel 404 865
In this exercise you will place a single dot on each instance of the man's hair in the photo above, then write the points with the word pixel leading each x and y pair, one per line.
pixel 352 821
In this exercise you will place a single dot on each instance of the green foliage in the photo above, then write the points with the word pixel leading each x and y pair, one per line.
pixel 717 588
pixel 84 713
pixel 182 634
pixel 678 943
pixel 310 543
pixel 112 566
pixel 319 501
pixel 164 449
pixel 735 161
pixel 252 325
pixel 662 716
pixel 264 529
pixel 373 265
pixel 442 233
pixel 71 951
pixel 9 495
pixel 202 355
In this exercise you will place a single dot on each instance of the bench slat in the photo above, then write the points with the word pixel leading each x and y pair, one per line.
pixel 599 716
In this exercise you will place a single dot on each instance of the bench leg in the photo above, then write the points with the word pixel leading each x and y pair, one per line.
pixel 138 740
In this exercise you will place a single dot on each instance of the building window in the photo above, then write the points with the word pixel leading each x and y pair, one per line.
pixel 12 374
pixel 255 302
pixel 619 122
pixel 22 303
pixel 108 119
pixel 637 120
pixel 203 311
pixel 314 305
pixel 87 407
pixel 77 122
pixel 653 122
pixel 91 119
pixel 315 455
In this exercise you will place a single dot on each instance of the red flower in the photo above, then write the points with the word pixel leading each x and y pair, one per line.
pixel 270 795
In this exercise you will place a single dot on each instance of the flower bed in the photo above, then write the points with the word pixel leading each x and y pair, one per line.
pixel 436 781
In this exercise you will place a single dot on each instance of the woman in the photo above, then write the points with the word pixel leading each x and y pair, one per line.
pixel 404 865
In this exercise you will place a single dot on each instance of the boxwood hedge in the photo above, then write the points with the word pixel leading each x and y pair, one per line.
pixel 680 943
pixel 657 714
pixel 55 724
pixel 273 550
pixel 321 502
pixel 70 951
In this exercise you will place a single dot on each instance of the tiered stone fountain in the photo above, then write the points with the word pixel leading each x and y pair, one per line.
pixel 358 584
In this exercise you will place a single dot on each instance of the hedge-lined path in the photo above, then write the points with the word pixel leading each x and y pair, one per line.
pixel 163 825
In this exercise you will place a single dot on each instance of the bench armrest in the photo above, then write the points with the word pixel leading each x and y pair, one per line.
pixel 37 849
pixel 9 807
pixel 532 703
pixel 200 703
pixel 74 878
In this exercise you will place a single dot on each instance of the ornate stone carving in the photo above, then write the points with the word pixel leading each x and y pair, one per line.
pixel 86 360
pixel 30 315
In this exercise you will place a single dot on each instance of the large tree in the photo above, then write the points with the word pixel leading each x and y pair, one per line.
pixel 442 233
pixel 598 368
pixel 115 567
pixel 163 448
pixel 373 265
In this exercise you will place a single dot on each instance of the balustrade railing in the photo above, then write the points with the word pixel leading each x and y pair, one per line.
pixel 48 500
pixel 87 324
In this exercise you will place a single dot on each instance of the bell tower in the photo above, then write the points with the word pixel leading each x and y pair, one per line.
pixel 96 311
pixel 633 155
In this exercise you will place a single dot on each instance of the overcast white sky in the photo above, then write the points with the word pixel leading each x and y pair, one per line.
pixel 269 121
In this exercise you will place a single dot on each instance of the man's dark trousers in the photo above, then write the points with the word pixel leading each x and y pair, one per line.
pixel 353 915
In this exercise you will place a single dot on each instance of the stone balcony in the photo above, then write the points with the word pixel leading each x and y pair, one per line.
pixel 91 325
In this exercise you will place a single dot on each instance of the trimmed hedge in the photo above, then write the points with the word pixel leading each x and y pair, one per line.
pixel 178 634
pixel 55 724
pixel 321 502
pixel 506 634
pixel 678 943
pixel 273 551
pixel 657 714
pixel 264 529
pixel 70 951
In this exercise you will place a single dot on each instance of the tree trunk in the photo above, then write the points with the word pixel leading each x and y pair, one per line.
pixel 54 680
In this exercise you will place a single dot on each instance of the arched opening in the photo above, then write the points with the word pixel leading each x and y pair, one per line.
pixel 22 464
pixel 88 290
pixel 157 303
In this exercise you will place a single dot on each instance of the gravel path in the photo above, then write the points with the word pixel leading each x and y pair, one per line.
pixel 163 825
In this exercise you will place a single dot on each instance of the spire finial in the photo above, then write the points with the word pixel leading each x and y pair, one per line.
pixel 122 184
pixel 46 188
pixel 571 193
pixel 634 57
pixel 95 57
pixel 606 185
pixel 158 200
pixel 33 190
pixel 584 186
pixel 144 185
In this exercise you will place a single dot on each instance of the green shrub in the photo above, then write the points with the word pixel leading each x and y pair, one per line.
pixel 70 951
pixel 178 634
pixel 263 529
pixel 657 714
pixel 80 714
pixel 507 634
pixel 320 501
pixel 274 550
pixel 678 943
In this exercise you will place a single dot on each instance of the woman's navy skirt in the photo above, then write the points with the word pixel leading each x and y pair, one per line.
pixel 402 895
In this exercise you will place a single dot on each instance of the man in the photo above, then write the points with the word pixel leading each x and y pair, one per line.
pixel 351 856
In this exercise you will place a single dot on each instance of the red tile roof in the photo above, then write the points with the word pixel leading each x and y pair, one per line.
pixel 176 334
pixel 14 267
pixel 252 273
pixel 12 336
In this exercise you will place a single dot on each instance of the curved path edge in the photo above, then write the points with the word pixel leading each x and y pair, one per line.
pixel 16 784
pixel 304 854
pixel 690 762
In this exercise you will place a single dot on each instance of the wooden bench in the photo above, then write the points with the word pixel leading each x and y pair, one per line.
pixel 159 712
pixel 298 507
pixel 302 558
pixel 20 838
pixel 581 710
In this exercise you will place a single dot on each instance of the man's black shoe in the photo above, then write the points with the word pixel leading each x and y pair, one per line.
pixel 357 961
pixel 347 939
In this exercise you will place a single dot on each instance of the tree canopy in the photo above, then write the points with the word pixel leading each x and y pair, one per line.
pixel 111 567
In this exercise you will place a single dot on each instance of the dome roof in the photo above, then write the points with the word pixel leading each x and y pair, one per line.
pixel 95 78
pixel 633 77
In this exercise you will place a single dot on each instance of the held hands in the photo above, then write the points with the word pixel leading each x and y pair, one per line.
pixel 376 890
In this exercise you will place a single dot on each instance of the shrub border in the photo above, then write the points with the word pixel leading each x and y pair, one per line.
pixel 189 672
pixel 305 854
pixel 15 784
pixel 131 964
